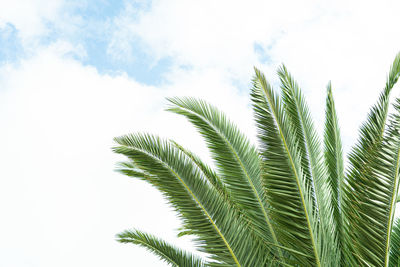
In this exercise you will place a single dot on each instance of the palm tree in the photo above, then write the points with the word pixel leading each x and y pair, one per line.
pixel 287 202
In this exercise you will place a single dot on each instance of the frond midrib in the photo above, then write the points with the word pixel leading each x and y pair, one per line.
pixel 391 212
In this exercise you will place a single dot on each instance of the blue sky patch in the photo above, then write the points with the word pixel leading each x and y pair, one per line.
pixel 10 44
pixel 261 53
pixel 94 30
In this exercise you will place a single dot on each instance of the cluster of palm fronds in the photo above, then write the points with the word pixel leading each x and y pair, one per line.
pixel 287 202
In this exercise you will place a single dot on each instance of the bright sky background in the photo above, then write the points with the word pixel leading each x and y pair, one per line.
pixel 74 74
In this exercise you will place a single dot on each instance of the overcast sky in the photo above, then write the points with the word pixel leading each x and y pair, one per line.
pixel 74 74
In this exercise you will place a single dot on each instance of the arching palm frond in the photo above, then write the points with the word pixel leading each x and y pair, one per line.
pixel 219 229
pixel 166 252
pixel 366 198
pixel 387 167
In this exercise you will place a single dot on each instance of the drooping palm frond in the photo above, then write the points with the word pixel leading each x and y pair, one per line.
pixel 394 260
pixel 334 161
pixel 290 198
pixel 149 153
pixel 218 228
pixel 365 198
pixel 166 252
pixel 237 161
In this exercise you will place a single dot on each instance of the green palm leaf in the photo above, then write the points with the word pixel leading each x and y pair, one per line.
pixel 166 252
pixel 368 193
pixel 387 170
pixel 313 164
pixel 290 198
pixel 334 161
pixel 237 161
pixel 219 229
pixel 305 135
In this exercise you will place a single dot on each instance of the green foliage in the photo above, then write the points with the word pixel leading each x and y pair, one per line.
pixel 394 259
pixel 287 202
pixel 165 251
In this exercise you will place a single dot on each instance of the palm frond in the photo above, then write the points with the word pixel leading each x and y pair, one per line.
pixel 387 169
pixel 368 192
pixel 166 252
pixel 237 161
pixel 305 135
pixel 219 230
pixel 313 164
pixel 334 160
pixel 290 198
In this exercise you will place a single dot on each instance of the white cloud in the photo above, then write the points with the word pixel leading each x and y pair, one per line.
pixel 60 200
pixel 351 44
pixel 38 22
pixel 30 16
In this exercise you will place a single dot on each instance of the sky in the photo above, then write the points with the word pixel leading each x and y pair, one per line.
pixel 75 74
